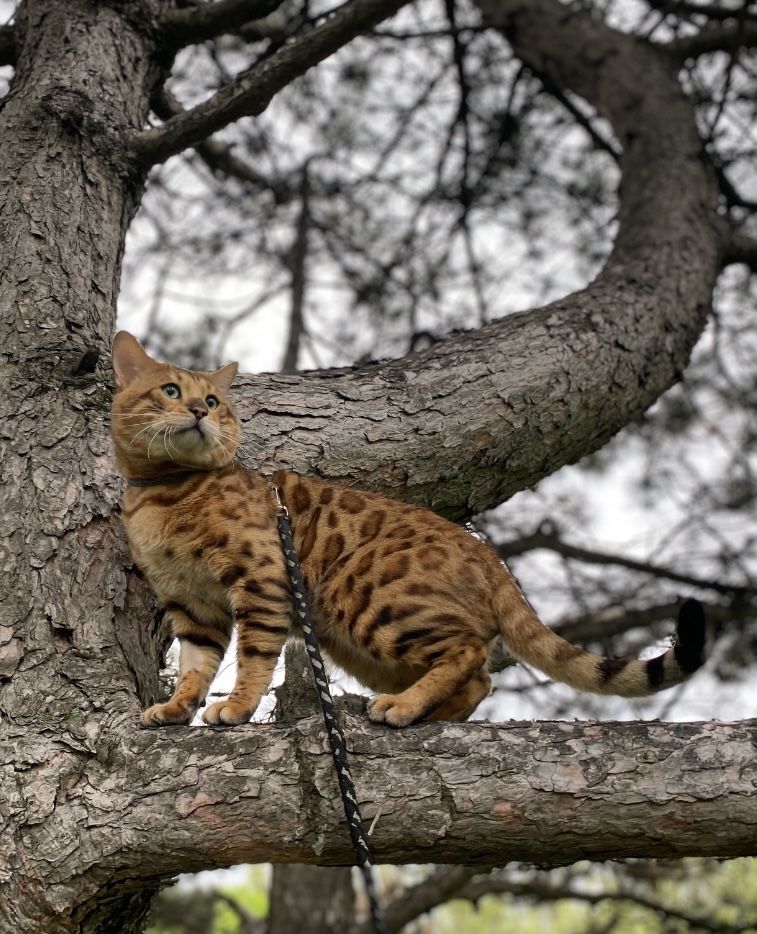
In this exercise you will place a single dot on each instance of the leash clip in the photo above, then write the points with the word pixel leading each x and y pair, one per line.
pixel 283 511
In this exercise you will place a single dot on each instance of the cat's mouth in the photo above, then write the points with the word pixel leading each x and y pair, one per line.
pixel 197 427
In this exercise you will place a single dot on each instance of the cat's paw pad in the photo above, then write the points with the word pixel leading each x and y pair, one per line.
pixel 168 714
pixel 389 708
pixel 229 712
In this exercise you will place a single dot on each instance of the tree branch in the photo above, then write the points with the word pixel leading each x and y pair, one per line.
pixel 7 45
pixel 604 624
pixel 476 794
pixel 219 157
pixel 298 262
pixel 742 249
pixel 550 540
pixel 251 92
pixel 419 899
pixel 728 38
pixel 493 884
pixel 250 924
pixel 712 11
pixel 199 23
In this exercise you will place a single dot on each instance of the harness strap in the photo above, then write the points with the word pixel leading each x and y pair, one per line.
pixel 333 729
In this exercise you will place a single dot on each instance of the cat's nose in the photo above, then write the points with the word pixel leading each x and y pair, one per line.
pixel 198 409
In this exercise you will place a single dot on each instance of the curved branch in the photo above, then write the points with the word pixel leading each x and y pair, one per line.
pixel 251 92
pixel 199 23
pixel 465 424
pixel 438 888
pixel 544 891
pixel 219 157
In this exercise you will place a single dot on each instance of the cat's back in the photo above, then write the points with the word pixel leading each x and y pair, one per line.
pixel 372 536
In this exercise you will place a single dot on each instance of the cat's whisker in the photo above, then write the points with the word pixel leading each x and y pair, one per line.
pixel 158 430
pixel 152 424
pixel 170 432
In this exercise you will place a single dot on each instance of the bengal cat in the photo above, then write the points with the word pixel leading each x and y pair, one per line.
pixel 402 599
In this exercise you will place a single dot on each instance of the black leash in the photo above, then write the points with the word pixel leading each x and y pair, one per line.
pixel 333 729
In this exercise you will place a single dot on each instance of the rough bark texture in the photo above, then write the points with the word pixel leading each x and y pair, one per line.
pixel 93 814
pixel 161 802
pixel 72 659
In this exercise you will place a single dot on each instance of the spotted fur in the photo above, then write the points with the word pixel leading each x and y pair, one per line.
pixel 404 600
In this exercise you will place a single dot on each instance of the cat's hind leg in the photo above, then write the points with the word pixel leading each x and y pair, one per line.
pixel 201 650
pixel 461 705
pixel 459 664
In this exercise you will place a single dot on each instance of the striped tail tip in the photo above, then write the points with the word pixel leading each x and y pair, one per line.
pixel 691 634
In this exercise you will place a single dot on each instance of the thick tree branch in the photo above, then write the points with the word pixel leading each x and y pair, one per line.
pixel 7 45
pixel 478 794
pixel 251 92
pixel 198 23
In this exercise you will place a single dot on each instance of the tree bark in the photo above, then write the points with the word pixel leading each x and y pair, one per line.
pixel 161 802
pixel 93 813
pixel 77 631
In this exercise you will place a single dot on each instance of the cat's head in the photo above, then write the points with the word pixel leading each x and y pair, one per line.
pixel 164 416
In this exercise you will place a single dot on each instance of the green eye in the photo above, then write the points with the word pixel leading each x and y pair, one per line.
pixel 172 391
pixel 211 402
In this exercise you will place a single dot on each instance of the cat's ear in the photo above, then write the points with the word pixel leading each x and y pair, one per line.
pixel 129 358
pixel 224 377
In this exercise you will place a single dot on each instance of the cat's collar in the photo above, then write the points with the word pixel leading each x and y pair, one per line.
pixel 166 478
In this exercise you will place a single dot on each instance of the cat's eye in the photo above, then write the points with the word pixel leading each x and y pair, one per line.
pixel 172 391
pixel 211 402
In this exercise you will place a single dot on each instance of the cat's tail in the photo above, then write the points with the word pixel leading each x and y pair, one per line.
pixel 534 643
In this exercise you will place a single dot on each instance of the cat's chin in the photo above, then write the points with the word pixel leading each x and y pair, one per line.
pixel 197 449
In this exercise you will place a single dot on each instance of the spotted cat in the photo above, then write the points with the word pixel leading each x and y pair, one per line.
pixel 402 599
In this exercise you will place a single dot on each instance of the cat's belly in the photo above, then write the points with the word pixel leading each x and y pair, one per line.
pixel 378 675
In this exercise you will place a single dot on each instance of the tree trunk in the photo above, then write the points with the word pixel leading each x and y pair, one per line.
pixel 77 646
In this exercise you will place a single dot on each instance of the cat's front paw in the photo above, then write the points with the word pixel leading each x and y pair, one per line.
pixel 390 708
pixel 170 713
pixel 227 712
